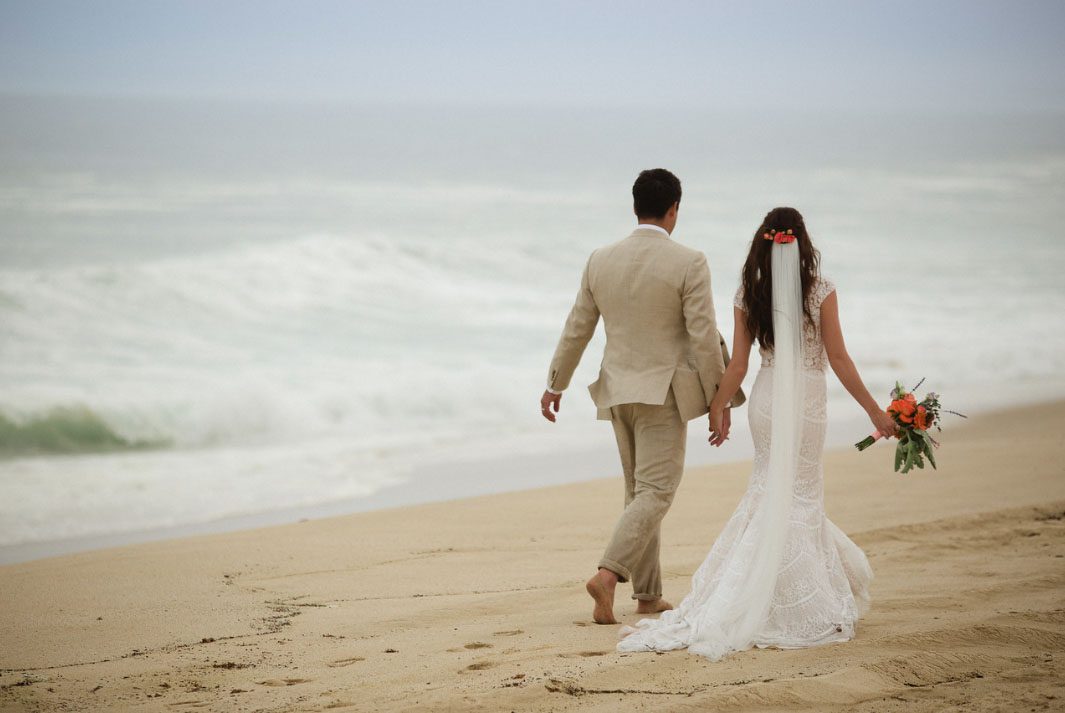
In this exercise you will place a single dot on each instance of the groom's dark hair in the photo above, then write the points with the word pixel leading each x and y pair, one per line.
pixel 655 190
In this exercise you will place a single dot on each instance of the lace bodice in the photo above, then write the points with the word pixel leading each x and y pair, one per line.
pixel 813 349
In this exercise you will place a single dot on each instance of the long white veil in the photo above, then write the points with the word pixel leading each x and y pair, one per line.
pixel 731 622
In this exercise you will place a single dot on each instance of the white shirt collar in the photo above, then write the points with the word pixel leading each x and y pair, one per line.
pixel 648 226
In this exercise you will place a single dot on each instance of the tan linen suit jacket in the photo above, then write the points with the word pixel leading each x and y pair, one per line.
pixel 654 296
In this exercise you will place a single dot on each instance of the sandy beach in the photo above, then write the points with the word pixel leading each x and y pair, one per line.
pixel 478 604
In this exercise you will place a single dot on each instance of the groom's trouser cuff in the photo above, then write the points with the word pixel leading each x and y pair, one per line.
pixel 647 597
pixel 623 573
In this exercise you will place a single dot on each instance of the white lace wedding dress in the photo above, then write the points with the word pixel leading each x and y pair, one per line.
pixel 821 585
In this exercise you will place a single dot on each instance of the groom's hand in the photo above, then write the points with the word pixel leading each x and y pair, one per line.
pixel 549 401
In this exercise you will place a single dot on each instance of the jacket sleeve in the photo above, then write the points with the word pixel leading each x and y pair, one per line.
pixel 701 324
pixel 578 330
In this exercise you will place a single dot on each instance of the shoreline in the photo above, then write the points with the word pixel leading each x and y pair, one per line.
pixel 477 604
pixel 458 478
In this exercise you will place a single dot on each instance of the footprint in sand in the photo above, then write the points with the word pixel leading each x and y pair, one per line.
pixel 584 654
pixel 481 666
pixel 512 632
pixel 189 704
pixel 345 662
pixel 277 682
pixel 581 623
pixel 477 645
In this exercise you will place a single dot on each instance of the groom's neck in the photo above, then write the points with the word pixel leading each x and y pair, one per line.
pixel 662 223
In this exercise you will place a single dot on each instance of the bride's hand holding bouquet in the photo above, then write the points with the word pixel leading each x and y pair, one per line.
pixel 910 421
pixel 883 424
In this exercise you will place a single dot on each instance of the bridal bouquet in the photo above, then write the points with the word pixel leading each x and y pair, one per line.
pixel 914 419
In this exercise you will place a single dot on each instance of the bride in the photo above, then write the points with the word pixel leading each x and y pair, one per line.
pixel 780 573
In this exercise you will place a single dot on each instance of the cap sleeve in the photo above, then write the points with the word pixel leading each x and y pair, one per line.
pixel 737 301
pixel 825 287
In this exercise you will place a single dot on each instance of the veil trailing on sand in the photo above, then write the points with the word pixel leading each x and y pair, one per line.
pixel 726 615
pixel 733 624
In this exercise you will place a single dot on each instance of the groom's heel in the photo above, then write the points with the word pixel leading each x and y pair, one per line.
pixel 603 611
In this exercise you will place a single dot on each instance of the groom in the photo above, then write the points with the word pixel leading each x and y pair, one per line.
pixel 663 360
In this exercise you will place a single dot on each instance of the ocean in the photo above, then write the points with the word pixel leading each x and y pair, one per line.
pixel 221 313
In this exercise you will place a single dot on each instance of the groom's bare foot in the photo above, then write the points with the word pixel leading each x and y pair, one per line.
pixel 654 606
pixel 601 588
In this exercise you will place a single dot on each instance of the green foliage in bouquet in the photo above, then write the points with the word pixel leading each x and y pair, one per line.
pixel 914 419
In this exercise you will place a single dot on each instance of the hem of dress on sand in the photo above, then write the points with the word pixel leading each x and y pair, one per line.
pixel 838 634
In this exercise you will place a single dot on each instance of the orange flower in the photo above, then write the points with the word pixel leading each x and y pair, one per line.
pixel 921 420
pixel 903 409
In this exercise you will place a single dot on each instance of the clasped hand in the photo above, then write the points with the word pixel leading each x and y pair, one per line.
pixel 720 423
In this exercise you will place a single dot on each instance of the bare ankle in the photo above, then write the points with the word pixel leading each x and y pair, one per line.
pixel 652 606
pixel 608 578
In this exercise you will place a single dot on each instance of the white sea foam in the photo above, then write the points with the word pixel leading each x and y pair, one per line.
pixel 294 339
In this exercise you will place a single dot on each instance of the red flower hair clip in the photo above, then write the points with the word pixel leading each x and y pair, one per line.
pixel 779 236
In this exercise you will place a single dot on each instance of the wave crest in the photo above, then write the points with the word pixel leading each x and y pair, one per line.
pixel 63 430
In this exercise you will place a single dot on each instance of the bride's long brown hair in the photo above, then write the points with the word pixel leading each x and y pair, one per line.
pixel 758 275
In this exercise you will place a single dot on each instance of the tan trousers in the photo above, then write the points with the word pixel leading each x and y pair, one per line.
pixel 651 440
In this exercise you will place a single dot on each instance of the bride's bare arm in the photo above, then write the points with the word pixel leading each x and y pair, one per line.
pixel 734 372
pixel 843 366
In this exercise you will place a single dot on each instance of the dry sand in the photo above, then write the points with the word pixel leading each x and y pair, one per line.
pixel 479 605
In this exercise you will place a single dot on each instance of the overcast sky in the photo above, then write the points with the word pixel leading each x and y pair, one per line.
pixel 969 55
